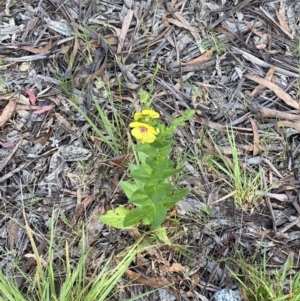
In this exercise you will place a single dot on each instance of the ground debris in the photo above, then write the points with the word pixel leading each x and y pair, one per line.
pixel 235 62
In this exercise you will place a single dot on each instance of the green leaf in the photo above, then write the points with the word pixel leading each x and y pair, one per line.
pixel 156 193
pixel 140 198
pixel 159 216
pixel 180 121
pixel 163 168
pixel 129 187
pixel 162 235
pixel 175 197
pixel 144 96
pixel 133 217
pixel 147 149
pixel 115 217
pixel 144 167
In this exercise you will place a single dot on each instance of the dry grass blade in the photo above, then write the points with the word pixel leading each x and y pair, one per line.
pixel 277 90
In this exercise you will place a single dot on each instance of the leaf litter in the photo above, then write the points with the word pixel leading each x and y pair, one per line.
pixel 235 63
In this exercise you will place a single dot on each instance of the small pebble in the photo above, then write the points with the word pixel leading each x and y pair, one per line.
pixel 227 295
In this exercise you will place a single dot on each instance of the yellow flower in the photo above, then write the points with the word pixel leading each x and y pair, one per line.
pixel 146 113
pixel 143 132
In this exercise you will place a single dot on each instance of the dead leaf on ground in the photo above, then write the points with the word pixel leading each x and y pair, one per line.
pixel 175 267
pixel 276 89
pixel 7 144
pixel 260 87
pixel 7 112
pixel 282 21
pixel 150 281
pixel 185 22
pixel 200 59
pixel 31 96
pixel 256 31
pixel 44 109
pixel 41 259
pixel 255 137
pixel 289 124
pixel 124 29
pixel 80 208
pixel 34 50
pixel 61 119
pixel 264 112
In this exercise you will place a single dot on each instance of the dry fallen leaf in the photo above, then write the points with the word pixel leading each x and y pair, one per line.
pixel 7 144
pixel 41 259
pixel 256 31
pixel 255 137
pixel 200 59
pixel 289 124
pixel 124 29
pixel 37 50
pixel 44 109
pixel 276 89
pixel 31 96
pixel 263 112
pixel 150 281
pixel 175 267
pixel 61 119
pixel 7 112
pixel 283 22
pixel 185 22
pixel 268 77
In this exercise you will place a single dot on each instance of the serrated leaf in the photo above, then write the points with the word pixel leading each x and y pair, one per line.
pixel 115 218
pixel 129 188
pixel 133 217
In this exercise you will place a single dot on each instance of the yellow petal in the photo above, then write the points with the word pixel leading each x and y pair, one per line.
pixel 143 132
pixel 146 113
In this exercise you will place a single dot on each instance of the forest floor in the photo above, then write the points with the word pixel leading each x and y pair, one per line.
pixel 70 77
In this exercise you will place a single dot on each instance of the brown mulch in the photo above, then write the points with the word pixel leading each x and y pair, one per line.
pixel 234 62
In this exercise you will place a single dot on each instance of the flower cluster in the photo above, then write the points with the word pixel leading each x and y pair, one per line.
pixel 141 129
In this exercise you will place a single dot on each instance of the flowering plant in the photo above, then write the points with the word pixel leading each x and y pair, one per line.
pixel 150 189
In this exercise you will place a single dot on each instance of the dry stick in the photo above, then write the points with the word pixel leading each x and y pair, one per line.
pixel 290 225
pixel 10 174
pixel 268 203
